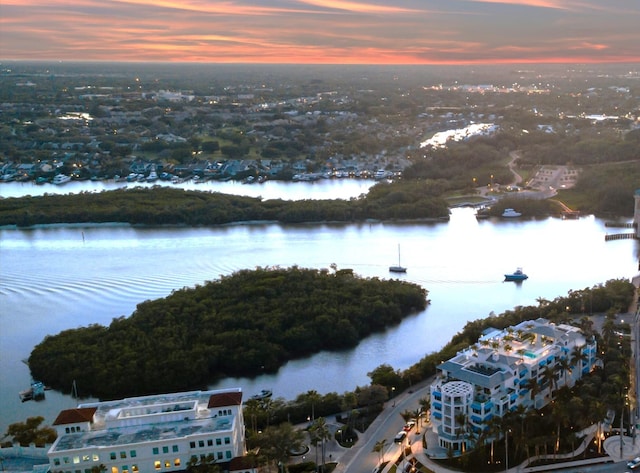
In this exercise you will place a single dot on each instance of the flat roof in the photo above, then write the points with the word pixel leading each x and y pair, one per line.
pixel 206 420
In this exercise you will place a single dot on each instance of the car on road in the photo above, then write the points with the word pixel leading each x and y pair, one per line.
pixel 634 464
pixel 409 425
pixel 400 436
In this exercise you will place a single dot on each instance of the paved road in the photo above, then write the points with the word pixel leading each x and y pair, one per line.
pixel 361 458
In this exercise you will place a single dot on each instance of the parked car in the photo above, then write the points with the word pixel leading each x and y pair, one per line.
pixel 634 464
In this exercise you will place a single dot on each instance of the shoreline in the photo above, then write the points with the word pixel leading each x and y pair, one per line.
pixel 37 226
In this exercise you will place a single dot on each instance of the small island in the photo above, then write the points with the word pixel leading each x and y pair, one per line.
pixel 248 323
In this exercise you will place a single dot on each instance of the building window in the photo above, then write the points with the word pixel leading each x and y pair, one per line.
pixel 219 455
pixel 112 455
pixel 132 453
pixel 157 465
pixel 192 444
pixel 174 448
pixel 210 443
pixel 176 462
pixel 218 441
pixel 228 453
pixel 156 451
pixel 66 429
pixel 227 440
pixel 167 464
pixel 114 469
pixel 125 469
pixel 134 469
pixel 200 443
pixel 56 461
pixel 123 454
pixel 165 449
pixel 96 457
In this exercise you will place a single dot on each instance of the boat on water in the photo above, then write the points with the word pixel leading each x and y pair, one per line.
pixel 399 268
pixel 264 394
pixel 61 179
pixel 510 213
pixel 34 393
pixel 517 275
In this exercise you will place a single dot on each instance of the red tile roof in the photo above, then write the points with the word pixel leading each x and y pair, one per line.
pixel 225 399
pixel 75 416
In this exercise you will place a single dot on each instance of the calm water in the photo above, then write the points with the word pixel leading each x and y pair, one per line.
pixel 56 278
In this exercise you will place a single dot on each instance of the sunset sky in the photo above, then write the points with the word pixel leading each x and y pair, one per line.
pixel 322 31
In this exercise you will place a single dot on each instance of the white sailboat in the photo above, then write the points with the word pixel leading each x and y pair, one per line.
pixel 399 268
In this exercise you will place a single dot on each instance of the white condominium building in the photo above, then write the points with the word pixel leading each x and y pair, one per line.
pixel 520 365
pixel 159 433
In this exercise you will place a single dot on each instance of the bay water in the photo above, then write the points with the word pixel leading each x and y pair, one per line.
pixel 57 277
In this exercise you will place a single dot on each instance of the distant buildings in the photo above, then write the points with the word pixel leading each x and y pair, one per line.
pixel 158 433
pixel 521 365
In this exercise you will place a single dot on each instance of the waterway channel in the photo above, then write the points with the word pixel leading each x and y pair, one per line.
pixel 57 277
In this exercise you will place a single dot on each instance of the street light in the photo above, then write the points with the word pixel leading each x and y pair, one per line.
pixel 393 395
pixel 506 450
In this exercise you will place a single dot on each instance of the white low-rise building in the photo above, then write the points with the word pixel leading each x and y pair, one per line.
pixel 497 375
pixel 149 434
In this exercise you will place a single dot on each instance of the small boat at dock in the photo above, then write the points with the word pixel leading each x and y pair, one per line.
pixel 510 213
pixel 34 393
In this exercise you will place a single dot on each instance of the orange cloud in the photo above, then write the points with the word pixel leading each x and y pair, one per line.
pixel 357 6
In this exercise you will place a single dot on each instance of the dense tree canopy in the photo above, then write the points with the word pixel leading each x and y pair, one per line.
pixel 247 323
pixel 165 205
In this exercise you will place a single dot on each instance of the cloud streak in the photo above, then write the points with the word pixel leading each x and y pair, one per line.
pixel 322 31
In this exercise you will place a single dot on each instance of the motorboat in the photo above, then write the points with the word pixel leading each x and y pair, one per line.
pixel 34 393
pixel 510 213
pixel 264 394
pixel 61 179
pixel 399 268
pixel 517 275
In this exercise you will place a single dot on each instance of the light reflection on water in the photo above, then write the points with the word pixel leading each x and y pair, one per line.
pixel 55 278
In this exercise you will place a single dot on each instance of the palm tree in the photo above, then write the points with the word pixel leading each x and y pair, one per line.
pixel 564 365
pixel 314 438
pixel 461 428
pixel 549 377
pixel 534 389
pixel 406 415
pixel 577 357
pixel 379 448
pixel 494 430
pixel 416 416
pixel 251 411
pixel 321 431
pixel 425 404
pixel 313 398
pixel 203 465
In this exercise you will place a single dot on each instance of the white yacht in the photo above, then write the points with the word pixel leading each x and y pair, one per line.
pixel 61 179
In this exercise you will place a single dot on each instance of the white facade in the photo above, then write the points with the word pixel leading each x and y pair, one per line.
pixel 636 213
pixel 148 434
pixel 495 376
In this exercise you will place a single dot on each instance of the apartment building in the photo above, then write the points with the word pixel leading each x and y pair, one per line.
pixel 496 375
pixel 148 434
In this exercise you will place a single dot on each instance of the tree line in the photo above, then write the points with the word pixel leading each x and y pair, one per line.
pixel 169 206
pixel 248 323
